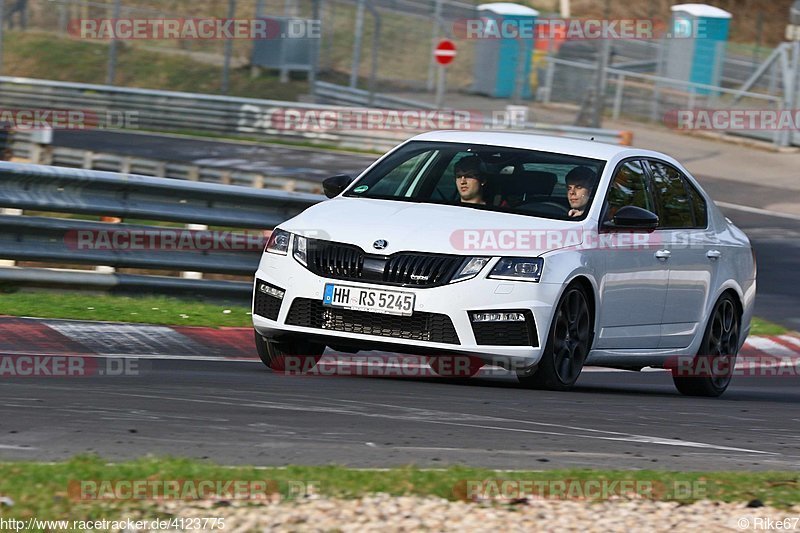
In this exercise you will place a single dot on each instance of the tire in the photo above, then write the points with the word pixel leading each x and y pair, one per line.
pixel 712 368
pixel 293 356
pixel 568 344
pixel 455 366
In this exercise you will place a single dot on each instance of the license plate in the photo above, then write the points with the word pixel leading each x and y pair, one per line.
pixel 370 300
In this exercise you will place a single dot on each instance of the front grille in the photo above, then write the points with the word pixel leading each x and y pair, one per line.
pixel 266 305
pixel 430 327
pixel 407 269
pixel 420 269
pixel 335 260
pixel 509 333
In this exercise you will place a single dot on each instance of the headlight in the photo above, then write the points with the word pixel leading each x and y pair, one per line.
pixel 518 268
pixel 300 249
pixel 278 242
pixel 470 268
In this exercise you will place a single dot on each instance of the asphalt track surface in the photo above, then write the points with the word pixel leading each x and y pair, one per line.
pixel 240 412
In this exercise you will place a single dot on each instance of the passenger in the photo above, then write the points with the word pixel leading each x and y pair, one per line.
pixel 580 182
pixel 470 180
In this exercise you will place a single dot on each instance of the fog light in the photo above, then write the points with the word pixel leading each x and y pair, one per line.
pixel 498 317
pixel 271 291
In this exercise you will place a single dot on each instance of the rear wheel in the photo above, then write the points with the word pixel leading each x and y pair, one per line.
pixel 288 356
pixel 709 374
pixel 567 345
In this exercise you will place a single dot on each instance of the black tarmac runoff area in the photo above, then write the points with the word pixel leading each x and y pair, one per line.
pixel 238 412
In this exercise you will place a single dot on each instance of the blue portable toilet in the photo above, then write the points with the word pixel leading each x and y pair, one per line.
pixel 498 53
pixel 697 40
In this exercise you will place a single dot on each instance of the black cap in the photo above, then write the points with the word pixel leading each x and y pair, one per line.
pixel 581 175
pixel 470 164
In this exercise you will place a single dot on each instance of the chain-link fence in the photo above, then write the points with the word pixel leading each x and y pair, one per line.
pixel 389 42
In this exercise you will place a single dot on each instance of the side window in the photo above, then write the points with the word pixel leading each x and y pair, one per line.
pixel 698 206
pixel 628 187
pixel 676 206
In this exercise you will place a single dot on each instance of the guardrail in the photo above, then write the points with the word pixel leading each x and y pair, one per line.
pixel 155 110
pixel 84 192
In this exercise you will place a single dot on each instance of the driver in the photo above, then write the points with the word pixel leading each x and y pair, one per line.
pixel 470 180
pixel 580 182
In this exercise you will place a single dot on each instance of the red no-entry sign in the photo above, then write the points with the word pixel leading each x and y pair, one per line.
pixel 445 52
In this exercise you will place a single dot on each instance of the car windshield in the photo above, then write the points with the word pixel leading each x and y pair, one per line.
pixel 494 178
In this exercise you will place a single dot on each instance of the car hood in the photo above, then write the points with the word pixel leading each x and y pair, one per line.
pixel 432 228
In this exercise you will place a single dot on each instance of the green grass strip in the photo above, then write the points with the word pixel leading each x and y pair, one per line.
pixel 160 310
pixel 44 490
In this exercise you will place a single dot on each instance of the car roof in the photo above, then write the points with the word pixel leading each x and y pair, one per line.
pixel 544 143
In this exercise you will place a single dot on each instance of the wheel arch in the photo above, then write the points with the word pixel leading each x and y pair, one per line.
pixel 731 289
pixel 589 287
pixel 736 294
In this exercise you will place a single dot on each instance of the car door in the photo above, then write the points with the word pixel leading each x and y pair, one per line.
pixel 634 282
pixel 693 253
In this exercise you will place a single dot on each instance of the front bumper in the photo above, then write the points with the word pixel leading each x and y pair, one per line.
pixel 434 306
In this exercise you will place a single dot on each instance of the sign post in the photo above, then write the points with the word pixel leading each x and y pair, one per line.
pixel 444 53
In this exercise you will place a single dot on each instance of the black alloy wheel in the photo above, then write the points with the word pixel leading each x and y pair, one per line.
pixel 710 373
pixel 568 344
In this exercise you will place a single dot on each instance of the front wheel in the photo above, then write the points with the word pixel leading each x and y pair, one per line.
pixel 293 356
pixel 710 372
pixel 568 344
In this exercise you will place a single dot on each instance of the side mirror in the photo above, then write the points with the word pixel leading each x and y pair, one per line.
pixel 335 185
pixel 632 217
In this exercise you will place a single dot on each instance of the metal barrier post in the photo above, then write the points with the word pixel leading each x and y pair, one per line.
pixel 192 274
pixel 548 82
pixel 618 96
pixel 14 212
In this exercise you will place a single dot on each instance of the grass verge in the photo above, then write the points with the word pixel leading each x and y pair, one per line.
pixel 759 326
pixel 44 55
pixel 168 311
pixel 45 491
pixel 140 309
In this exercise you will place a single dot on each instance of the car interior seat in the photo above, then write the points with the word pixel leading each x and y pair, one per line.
pixel 525 186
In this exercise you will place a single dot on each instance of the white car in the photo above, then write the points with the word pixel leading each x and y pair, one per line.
pixel 643 271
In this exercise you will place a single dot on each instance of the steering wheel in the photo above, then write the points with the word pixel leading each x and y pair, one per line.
pixel 557 208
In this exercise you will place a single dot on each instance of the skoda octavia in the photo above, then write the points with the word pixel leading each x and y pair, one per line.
pixel 539 254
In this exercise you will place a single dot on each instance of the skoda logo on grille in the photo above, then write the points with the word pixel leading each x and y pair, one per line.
pixel 380 244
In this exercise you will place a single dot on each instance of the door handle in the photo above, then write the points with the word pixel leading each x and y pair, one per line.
pixel 713 254
pixel 663 255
